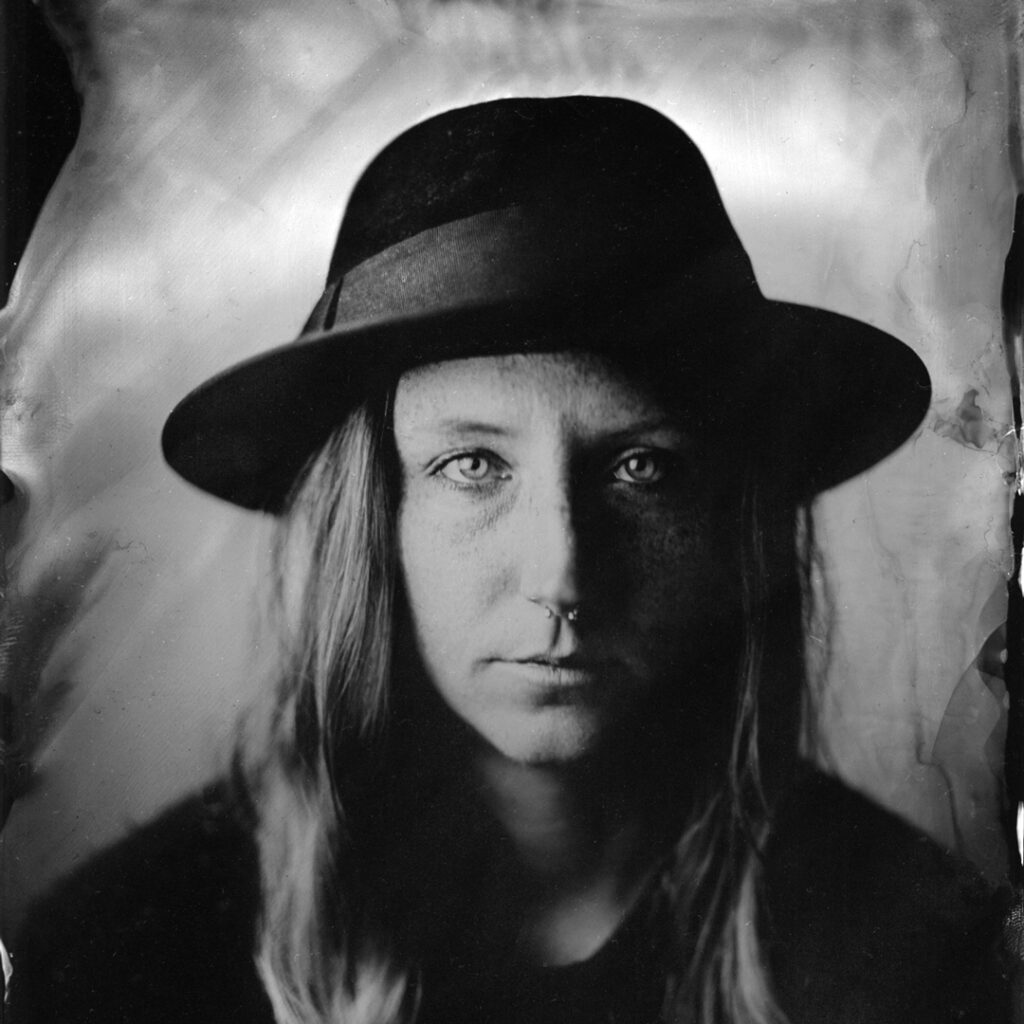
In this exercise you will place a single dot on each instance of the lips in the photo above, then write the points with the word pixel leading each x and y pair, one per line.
pixel 567 661
pixel 544 670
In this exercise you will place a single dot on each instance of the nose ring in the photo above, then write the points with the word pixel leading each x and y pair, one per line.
pixel 572 615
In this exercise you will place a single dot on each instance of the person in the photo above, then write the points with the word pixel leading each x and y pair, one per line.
pixel 541 462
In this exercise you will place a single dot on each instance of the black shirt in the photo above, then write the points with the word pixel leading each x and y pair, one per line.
pixel 867 921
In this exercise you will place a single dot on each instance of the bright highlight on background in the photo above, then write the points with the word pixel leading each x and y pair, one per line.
pixel 860 149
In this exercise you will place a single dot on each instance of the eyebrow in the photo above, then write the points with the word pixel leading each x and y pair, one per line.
pixel 666 424
pixel 483 428
pixel 460 426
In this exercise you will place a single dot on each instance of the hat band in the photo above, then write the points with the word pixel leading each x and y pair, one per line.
pixel 495 256
pixel 526 254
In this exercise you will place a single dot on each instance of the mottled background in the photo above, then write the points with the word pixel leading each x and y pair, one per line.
pixel 861 149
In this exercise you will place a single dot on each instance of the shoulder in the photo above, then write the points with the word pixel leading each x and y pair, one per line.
pixel 157 928
pixel 870 920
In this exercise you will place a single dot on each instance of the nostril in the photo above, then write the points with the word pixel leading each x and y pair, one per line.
pixel 8 492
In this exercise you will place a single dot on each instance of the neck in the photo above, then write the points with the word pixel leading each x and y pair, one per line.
pixel 573 848
pixel 581 843
pixel 560 821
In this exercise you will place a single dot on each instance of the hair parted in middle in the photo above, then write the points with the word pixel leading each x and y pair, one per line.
pixel 332 763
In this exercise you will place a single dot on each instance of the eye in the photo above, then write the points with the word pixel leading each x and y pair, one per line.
pixel 471 468
pixel 641 467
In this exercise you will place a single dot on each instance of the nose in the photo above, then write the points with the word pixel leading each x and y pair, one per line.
pixel 550 566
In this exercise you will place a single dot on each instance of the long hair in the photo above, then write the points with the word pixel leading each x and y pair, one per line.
pixel 313 762
pixel 308 757
pixel 717 970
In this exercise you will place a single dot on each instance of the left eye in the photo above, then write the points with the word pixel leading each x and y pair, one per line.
pixel 640 468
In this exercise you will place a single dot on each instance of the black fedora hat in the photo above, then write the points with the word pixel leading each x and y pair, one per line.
pixel 541 224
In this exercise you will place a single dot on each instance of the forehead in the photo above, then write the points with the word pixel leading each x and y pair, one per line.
pixel 580 389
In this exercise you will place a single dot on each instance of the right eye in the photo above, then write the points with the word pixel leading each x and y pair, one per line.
pixel 470 469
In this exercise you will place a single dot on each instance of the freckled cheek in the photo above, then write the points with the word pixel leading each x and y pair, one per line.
pixel 672 566
pixel 453 573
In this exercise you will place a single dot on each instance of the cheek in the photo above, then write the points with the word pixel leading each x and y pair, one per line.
pixel 659 552
pixel 683 559
pixel 451 574
pixel 676 581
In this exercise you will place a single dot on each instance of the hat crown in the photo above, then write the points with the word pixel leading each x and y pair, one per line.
pixel 586 153
pixel 607 191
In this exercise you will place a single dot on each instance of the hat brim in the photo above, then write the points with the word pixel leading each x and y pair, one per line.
pixel 813 397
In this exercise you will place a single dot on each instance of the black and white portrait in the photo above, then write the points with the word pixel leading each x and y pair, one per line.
pixel 512 514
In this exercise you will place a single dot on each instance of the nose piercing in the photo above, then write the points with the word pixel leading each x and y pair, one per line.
pixel 572 615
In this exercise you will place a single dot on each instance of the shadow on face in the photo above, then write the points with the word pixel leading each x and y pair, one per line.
pixel 564 548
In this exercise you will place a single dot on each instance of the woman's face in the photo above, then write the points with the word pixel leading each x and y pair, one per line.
pixel 551 482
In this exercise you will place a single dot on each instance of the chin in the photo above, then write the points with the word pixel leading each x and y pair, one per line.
pixel 549 737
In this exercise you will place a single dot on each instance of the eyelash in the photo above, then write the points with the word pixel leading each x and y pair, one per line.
pixel 661 459
pixel 485 456
pixel 663 463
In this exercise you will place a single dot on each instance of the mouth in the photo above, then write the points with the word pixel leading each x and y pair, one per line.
pixel 569 672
